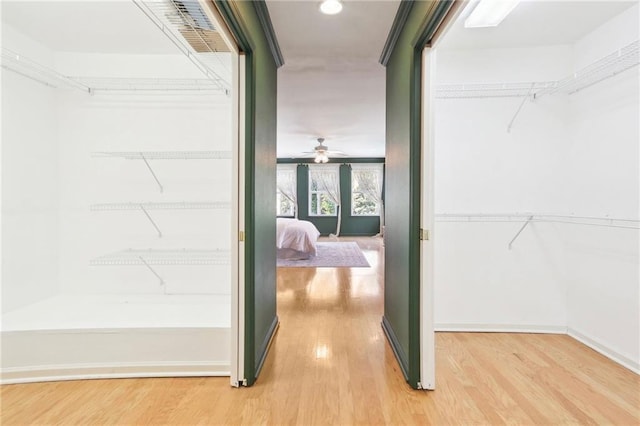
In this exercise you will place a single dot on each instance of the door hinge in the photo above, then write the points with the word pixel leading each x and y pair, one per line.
pixel 241 236
pixel 424 234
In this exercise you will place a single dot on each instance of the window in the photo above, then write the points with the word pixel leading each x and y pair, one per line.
pixel 321 183
pixel 284 205
pixel 366 189
pixel 286 200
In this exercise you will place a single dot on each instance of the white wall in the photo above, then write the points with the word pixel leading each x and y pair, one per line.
pixel 51 178
pixel 129 122
pixel 481 168
pixel 603 179
pixel 566 155
pixel 29 182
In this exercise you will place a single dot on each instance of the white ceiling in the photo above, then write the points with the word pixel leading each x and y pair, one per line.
pixel 87 26
pixel 332 85
pixel 535 23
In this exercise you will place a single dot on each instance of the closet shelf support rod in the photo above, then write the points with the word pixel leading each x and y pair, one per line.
pixel 152 172
pixel 529 219
pixel 520 107
pixel 151 220
pixel 151 269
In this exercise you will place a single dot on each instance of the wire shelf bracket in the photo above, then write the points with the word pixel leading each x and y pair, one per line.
pixel 529 219
pixel 146 213
pixel 152 270
pixel 524 99
pixel 152 172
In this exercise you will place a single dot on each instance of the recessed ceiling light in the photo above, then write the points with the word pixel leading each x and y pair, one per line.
pixel 489 13
pixel 331 7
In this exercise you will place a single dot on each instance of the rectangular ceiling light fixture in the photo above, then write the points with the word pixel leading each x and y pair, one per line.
pixel 489 13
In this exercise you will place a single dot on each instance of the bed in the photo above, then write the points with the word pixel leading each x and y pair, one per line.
pixel 296 239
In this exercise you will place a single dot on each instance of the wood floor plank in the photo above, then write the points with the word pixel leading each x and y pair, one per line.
pixel 330 363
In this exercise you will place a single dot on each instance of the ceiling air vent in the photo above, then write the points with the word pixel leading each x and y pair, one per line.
pixel 194 25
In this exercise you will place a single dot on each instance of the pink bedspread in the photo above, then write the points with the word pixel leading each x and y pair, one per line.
pixel 298 235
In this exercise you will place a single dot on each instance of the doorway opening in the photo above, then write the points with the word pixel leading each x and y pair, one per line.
pixel 330 168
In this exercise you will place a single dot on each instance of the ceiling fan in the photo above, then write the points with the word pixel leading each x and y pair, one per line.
pixel 321 152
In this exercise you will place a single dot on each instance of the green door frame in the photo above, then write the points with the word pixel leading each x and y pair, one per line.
pixel 433 17
pixel 255 352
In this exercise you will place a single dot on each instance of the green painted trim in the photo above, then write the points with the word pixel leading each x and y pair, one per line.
pixel 396 28
pixel 415 191
pixel 401 356
pixel 265 20
pixel 410 363
pixel 236 25
pixel 431 23
pixel 264 346
pixel 250 370
pixel 332 161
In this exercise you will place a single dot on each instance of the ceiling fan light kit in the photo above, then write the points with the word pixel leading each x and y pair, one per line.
pixel 321 152
pixel 321 158
pixel 331 7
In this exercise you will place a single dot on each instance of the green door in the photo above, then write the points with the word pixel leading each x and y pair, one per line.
pixel 415 24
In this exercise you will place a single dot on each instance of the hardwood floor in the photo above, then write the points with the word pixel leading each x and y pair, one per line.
pixel 330 364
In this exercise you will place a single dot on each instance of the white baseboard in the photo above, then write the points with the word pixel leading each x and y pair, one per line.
pixel 50 373
pixel 633 365
pixel 500 328
pixel 73 354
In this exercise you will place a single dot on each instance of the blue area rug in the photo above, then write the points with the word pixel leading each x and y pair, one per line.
pixel 330 255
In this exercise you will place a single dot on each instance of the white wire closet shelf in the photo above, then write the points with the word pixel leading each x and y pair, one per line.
pixel 527 218
pixel 13 61
pixel 145 207
pixel 158 257
pixel 540 217
pixel 47 76
pixel 491 90
pixel 166 155
pixel 609 66
pixel 184 23
pixel 612 64
pixel 162 206
pixel 147 84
